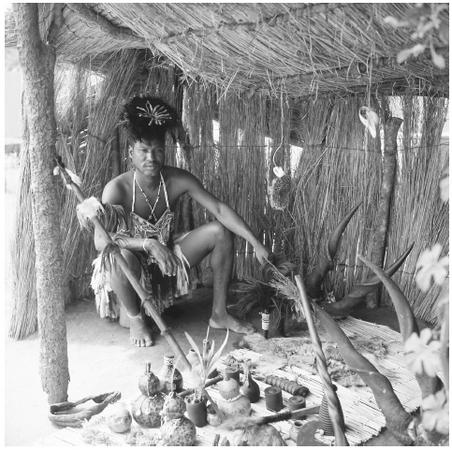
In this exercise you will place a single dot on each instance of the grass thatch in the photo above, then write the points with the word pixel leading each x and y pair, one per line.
pixel 296 48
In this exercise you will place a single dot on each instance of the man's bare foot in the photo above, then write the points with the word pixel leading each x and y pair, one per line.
pixel 236 325
pixel 140 335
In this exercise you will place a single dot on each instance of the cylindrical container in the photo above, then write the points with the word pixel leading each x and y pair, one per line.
pixel 273 399
pixel 232 372
pixel 296 402
pixel 265 316
pixel 295 429
pixel 197 412
pixel 193 357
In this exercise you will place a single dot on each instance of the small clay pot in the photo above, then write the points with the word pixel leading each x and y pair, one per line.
pixel 197 412
pixel 295 429
pixel 273 399
pixel 296 402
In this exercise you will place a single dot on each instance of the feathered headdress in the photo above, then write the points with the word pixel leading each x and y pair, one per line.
pixel 147 117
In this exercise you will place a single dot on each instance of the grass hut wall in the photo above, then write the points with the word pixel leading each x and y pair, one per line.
pixel 271 76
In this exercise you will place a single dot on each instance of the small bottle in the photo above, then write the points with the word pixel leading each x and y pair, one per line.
pixel 170 377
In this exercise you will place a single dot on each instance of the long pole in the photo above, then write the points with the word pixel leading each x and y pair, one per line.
pixel 121 261
pixel 333 402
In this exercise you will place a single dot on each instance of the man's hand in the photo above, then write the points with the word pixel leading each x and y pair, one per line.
pixel 261 253
pixel 166 259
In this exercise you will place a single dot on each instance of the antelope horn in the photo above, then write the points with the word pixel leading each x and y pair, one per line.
pixel 334 240
pixel 397 419
pixel 374 281
pixel 405 316
pixel 359 292
pixel 315 278
pixel 407 323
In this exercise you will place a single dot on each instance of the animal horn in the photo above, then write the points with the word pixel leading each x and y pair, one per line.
pixel 397 419
pixel 407 323
pixel 334 240
pixel 359 292
pixel 315 278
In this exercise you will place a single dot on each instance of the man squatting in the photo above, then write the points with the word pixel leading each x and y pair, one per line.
pixel 140 220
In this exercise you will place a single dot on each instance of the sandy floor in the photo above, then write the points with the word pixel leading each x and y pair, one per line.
pixel 100 360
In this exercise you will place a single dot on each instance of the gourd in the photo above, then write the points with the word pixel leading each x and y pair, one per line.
pixel 176 430
pixel 257 435
pixel 119 419
pixel 147 407
pixel 232 402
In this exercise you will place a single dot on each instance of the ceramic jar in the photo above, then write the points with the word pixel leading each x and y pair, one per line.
pixel 250 388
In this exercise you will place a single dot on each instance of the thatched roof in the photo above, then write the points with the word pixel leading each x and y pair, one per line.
pixel 302 49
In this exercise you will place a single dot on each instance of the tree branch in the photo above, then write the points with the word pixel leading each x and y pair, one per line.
pixel 120 33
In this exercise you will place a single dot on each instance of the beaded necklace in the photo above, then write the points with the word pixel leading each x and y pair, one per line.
pixel 152 208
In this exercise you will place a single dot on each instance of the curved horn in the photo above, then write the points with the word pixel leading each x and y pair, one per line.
pixel 334 240
pixel 397 419
pixel 359 292
pixel 405 316
pixel 390 271
pixel 315 278
pixel 407 324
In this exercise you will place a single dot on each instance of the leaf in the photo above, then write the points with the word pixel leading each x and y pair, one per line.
pixel 423 354
pixel 393 21
pixel 435 414
pixel 438 59
pixel 430 266
pixel 217 355
pixel 415 51
pixel 444 32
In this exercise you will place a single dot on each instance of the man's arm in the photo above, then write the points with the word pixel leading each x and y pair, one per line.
pixel 114 193
pixel 223 213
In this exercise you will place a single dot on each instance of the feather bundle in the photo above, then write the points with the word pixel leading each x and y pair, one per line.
pixel 74 177
pixel 88 210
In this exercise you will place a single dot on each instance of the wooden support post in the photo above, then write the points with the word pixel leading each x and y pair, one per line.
pixel 391 128
pixel 38 63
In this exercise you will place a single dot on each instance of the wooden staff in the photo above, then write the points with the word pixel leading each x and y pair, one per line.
pixel 333 401
pixel 139 289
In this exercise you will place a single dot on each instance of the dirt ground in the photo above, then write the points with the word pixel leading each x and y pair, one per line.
pixel 101 359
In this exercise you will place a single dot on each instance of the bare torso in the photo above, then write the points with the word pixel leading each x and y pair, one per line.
pixel 175 187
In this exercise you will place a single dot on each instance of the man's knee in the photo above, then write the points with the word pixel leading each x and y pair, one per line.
pixel 131 260
pixel 222 234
